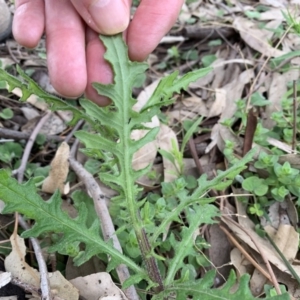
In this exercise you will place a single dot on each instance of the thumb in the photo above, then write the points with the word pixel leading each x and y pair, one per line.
pixel 104 16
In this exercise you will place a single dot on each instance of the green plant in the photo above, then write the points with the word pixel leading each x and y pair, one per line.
pixel 176 155
pixel 6 113
pixel 141 221
pixel 9 152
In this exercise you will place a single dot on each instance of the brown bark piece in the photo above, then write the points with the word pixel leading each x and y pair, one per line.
pixel 59 171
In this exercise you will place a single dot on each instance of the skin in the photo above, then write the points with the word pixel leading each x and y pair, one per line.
pixel 74 51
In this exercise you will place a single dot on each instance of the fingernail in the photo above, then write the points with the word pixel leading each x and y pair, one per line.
pixel 111 16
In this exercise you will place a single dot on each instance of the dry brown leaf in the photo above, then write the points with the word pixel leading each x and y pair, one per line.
pixel 194 105
pixel 181 115
pixel 275 3
pixel 234 91
pixel 241 264
pixel 219 72
pixel 58 172
pixel 16 265
pixel 164 141
pixel 276 93
pixel 146 155
pixel 258 280
pixel 255 37
pixel 266 247
pixel 219 252
pixel 98 286
pixel 219 104
pixel 287 240
pixel 278 226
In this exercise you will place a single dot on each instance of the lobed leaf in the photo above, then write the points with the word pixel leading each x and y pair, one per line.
pixel 49 217
pixel 29 87
pixel 202 289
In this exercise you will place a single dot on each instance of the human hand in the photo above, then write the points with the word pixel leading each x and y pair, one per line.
pixel 74 51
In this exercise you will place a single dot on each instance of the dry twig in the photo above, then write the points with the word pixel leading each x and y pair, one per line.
pixel 45 285
pixel 107 226
pixel 20 171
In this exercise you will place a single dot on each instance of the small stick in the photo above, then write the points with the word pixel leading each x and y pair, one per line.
pixel 18 135
pixel 107 225
pixel 193 150
pixel 20 171
pixel 76 127
pixel 249 131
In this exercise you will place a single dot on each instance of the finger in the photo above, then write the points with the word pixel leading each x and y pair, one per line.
pixel 65 48
pixel 152 20
pixel 29 22
pixel 104 16
pixel 98 69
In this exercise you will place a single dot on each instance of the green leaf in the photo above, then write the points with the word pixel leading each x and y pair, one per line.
pixel 49 217
pixel 223 179
pixel 275 62
pixel 257 99
pixel 199 215
pixel 92 166
pixel 29 87
pixel 167 155
pixel 207 60
pixel 171 84
pixel 189 133
pixel 255 185
pixel 9 151
pixel 252 14
pixel 6 113
pixel 202 289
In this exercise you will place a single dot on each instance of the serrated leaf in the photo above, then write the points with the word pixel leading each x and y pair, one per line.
pixel 200 215
pixel 201 289
pixel 171 84
pixel 49 217
pixel 223 179
pixel 131 281
pixel 29 87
